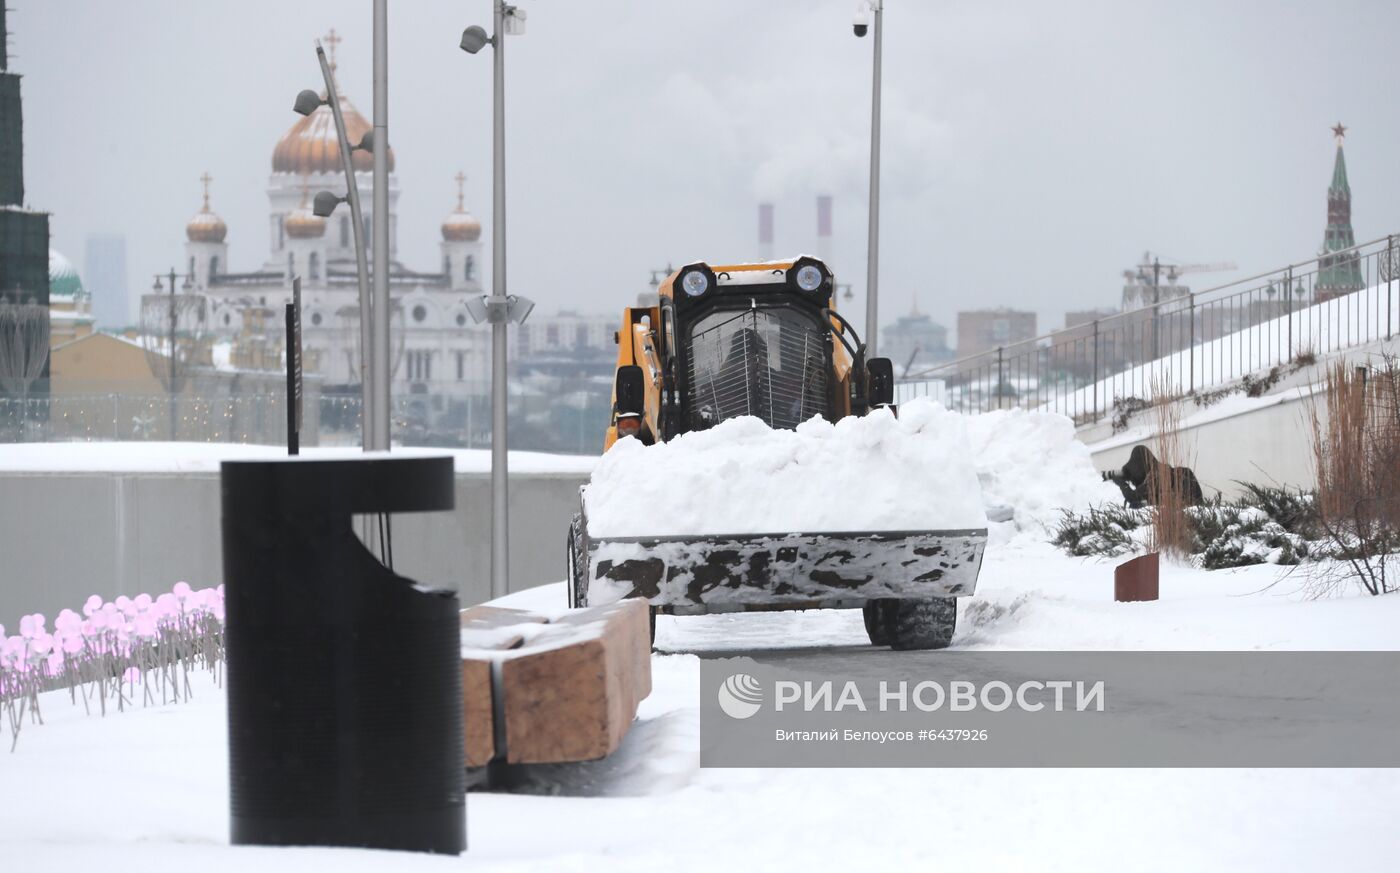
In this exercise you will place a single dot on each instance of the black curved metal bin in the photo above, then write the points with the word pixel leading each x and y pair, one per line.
pixel 344 679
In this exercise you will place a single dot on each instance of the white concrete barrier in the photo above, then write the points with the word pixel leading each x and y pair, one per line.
pixel 66 535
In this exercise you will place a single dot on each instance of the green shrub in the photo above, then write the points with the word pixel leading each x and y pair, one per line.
pixel 1102 531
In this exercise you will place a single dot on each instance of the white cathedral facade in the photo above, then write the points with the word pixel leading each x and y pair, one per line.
pixel 437 348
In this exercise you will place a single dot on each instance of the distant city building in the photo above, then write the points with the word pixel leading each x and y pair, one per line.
pixel 70 305
pixel 104 269
pixel 1081 348
pixel 914 342
pixel 985 329
pixel 555 355
pixel 1341 274
pixel 24 233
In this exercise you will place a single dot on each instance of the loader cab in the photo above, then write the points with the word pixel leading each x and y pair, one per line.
pixel 731 340
pixel 748 339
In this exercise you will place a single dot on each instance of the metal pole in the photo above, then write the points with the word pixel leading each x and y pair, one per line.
pixel 1095 380
pixel 170 350
pixel 352 196
pixel 1288 307
pixel 999 377
pixel 872 266
pixel 1191 344
pixel 500 503
pixel 382 256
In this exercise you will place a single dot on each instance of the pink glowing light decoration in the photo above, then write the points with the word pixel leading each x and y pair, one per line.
pixel 112 646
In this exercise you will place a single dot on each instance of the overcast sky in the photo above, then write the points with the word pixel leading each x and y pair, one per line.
pixel 1032 150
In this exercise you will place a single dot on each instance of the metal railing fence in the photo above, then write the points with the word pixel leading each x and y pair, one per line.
pixel 1183 345
pixel 571 421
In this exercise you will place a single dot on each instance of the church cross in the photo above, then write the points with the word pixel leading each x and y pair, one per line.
pixel 333 40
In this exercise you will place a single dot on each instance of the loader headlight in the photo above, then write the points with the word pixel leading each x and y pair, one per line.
pixel 809 278
pixel 695 283
pixel 809 275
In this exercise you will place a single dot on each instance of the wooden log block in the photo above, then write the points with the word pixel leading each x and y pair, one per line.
pixel 572 692
pixel 1136 580
pixel 486 631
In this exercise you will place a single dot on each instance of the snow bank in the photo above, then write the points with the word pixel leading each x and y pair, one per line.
pixel 1031 464
pixel 876 473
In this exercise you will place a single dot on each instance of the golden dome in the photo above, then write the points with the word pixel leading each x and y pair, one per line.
pixel 303 223
pixel 461 225
pixel 311 145
pixel 206 227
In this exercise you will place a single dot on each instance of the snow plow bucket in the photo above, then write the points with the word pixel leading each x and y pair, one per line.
pixel 733 573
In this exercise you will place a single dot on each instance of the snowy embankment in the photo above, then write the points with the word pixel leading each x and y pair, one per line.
pixel 1343 322
pixel 149 789
pixel 134 457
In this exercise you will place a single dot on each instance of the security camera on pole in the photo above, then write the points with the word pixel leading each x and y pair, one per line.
pixel 499 308
pixel 867 13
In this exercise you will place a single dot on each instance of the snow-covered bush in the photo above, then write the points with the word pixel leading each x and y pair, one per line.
pixel 110 650
pixel 1265 526
pixel 1104 531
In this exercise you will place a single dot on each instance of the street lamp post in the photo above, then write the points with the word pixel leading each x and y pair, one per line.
pixel 872 326
pixel 324 204
pixel 379 361
pixel 499 309
pixel 170 334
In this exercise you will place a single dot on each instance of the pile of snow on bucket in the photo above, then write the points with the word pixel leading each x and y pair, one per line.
pixel 927 469
pixel 874 473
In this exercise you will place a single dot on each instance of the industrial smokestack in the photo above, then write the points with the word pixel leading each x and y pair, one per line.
pixel 765 231
pixel 824 227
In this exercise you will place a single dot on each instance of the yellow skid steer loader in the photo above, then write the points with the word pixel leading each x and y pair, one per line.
pixel 763 340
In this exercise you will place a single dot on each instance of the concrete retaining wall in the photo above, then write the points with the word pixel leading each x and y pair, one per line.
pixel 1268 441
pixel 1271 445
pixel 64 536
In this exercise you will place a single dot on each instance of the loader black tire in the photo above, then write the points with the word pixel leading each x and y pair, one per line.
pixel 875 612
pixel 575 563
pixel 921 624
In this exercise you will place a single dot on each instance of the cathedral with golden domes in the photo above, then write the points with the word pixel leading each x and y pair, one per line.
pixel 437 349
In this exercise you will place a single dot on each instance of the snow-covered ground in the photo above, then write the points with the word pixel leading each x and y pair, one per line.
pixel 148 789
pixel 122 457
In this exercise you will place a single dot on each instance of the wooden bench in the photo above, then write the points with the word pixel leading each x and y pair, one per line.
pixel 548 690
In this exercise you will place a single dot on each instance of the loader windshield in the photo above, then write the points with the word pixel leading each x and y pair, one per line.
pixel 770 363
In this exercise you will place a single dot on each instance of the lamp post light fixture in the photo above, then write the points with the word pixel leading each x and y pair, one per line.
pixel 498 308
pixel 324 204
pixel 868 16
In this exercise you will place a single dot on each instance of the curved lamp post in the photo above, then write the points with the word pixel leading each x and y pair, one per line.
pixel 324 204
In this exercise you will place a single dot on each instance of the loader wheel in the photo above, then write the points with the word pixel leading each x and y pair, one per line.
pixel 875 612
pixel 921 624
pixel 575 563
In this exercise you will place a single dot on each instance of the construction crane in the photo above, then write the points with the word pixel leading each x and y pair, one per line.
pixel 1148 275
pixel 1149 271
